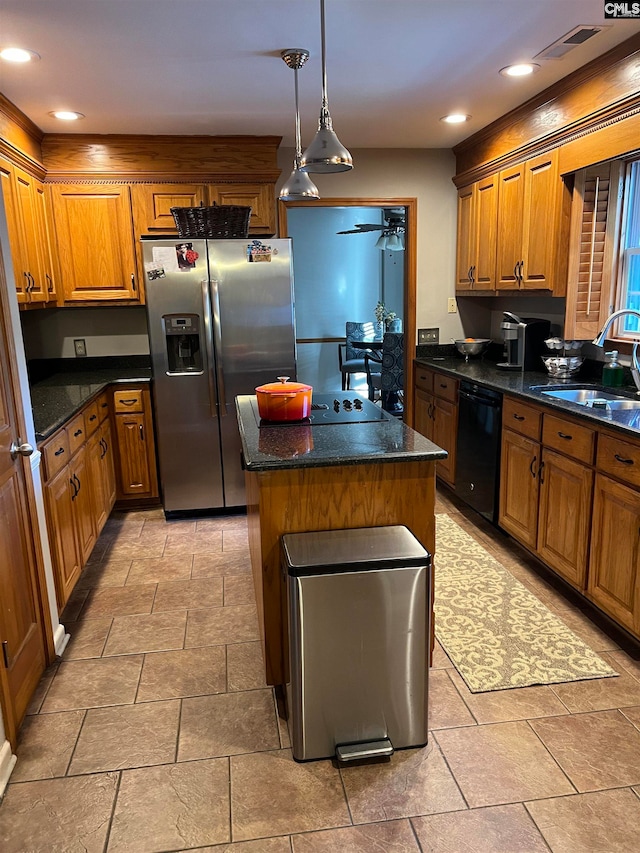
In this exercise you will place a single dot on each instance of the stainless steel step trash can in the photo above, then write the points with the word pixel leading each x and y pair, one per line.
pixel 358 612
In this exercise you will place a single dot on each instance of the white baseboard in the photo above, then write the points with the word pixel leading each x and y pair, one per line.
pixel 60 639
pixel 7 763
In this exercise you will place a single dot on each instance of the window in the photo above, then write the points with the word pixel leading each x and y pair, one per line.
pixel 629 280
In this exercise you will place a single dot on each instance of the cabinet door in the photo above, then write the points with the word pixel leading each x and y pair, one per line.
pixel 259 197
pixel 60 515
pixel 103 482
pixel 466 238
pixel 423 413
pixel 29 235
pixel 83 504
pixel 94 233
pixel 614 565
pixel 13 227
pixel 484 272
pixel 564 516
pixel 510 217
pixel 134 475
pixel 542 188
pixel 108 467
pixel 445 435
pixel 152 205
pixel 519 488
pixel 45 239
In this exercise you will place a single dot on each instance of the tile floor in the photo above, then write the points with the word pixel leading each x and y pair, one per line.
pixel 156 731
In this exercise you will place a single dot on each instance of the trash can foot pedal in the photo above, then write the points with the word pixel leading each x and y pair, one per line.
pixel 359 751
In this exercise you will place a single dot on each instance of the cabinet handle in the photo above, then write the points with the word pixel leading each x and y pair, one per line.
pixel 77 433
pixel 28 287
pixel 133 282
pixel 444 385
pixel 141 428
pixel 565 436
pixel 104 405
pixel 533 462
pixel 129 402
pixel 77 479
pixel 5 646
pixel 50 280
pixel 470 275
pixel 622 460
pixel 59 451
pixel 92 418
pixel 519 417
pixel 515 270
pixel 540 471
pixel 75 490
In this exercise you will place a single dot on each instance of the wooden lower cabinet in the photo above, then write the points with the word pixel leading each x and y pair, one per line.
pixel 614 567
pixel 62 534
pixel 79 493
pixel 564 515
pixel 436 416
pixel 519 487
pixel 136 466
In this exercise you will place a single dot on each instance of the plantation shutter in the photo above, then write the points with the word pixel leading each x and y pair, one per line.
pixel 595 218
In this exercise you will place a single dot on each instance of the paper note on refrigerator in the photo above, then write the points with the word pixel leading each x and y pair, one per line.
pixel 165 257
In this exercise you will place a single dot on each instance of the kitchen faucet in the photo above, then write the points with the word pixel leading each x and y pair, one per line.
pixel 600 338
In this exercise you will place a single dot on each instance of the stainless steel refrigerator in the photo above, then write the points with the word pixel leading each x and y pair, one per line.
pixel 221 322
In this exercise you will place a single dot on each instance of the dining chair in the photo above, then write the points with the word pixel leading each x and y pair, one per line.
pixel 351 360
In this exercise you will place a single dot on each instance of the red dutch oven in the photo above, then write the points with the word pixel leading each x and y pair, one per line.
pixel 284 400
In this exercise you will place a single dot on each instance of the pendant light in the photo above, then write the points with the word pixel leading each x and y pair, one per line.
pixel 299 185
pixel 326 153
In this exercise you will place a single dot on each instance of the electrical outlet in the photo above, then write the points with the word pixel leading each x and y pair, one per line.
pixel 452 306
pixel 80 346
pixel 428 336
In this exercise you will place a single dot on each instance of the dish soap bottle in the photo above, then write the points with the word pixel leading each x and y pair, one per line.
pixel 612 372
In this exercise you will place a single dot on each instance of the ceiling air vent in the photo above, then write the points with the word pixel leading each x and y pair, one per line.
pixel 567 42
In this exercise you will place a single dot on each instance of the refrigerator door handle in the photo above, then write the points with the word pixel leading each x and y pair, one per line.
pixel 214 288
pixel 208 338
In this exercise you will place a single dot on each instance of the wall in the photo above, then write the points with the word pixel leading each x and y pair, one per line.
pixel 107 331
pixel 423 174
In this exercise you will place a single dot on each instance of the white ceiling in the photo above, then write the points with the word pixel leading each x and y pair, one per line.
pixel 394 67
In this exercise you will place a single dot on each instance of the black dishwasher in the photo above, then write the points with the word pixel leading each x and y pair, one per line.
pixel 478 450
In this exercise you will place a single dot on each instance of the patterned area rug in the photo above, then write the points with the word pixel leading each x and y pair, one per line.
pixel 497 633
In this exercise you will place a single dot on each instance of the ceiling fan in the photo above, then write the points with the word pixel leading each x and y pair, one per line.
pixel 392 236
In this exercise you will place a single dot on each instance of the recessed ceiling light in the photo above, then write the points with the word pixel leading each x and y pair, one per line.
pixel 455 118
pixel 18 54
pixel 521 69
pixel 66 115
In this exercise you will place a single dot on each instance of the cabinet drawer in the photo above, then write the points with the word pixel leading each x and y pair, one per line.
pixel 569 438
pixel 91 418
pixel 521 418
pixel 445 387
pixel 128 401
pixel 424 379
pixel 76 432
pixel 619 458
pixel 102 404
pixel 56 454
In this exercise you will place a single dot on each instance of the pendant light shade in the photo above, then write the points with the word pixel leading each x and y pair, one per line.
pixel 325 153
pixel 298 185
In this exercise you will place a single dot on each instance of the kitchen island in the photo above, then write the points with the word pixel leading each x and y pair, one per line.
pixel 327 476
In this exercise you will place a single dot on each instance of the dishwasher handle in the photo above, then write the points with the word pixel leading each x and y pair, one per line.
pixel 481 399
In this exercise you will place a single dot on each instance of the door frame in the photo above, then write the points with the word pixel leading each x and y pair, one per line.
pixel 410 270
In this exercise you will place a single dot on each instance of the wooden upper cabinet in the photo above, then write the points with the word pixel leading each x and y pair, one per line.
pixel 259 197
pixel 477 223
pixel 29 235
pixel 533 220
pixel 94 234
pixel 152 205
pixel 510 217
pixel 593 248
pixel 45 238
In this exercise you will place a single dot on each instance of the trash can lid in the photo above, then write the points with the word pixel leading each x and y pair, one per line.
pixel 352 550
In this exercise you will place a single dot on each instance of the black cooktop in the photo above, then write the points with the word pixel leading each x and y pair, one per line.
pixel 343 408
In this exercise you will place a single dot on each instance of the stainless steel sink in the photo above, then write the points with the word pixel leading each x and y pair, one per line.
pixel 596 398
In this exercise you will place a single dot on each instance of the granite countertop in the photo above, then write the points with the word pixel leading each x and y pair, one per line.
pixel 267 448
pixel 58 398
pixel 528 385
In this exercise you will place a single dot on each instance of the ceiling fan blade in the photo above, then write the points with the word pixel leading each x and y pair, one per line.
pixel 362 229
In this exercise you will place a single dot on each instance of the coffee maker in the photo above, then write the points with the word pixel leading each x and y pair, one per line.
pixel 523 341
